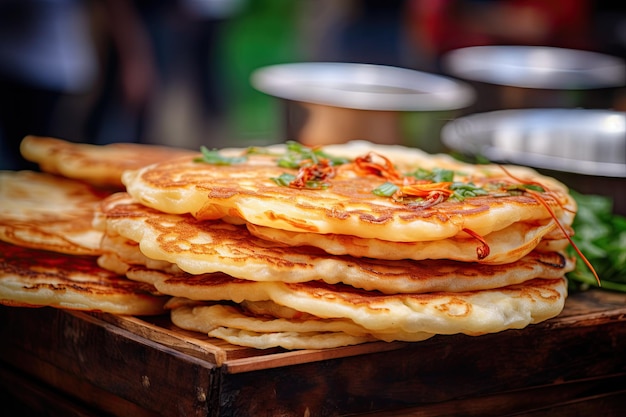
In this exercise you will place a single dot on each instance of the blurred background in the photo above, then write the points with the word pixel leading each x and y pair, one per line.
pixel 177 72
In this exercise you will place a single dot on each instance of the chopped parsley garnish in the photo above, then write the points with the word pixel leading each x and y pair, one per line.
pixel 315 167
pixel 436 175
pixel 284 179
pixel 288 180
pixel 298 154
pixel 213 157
pixel 438 185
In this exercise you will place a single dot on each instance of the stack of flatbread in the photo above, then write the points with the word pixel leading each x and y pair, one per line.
pixel 48 246
pixel 317 248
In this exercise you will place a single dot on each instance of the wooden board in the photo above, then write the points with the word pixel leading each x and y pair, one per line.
pixel 235 358
pixel 130 366
pixel 583 309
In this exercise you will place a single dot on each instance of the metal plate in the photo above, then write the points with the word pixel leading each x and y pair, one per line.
pixel 536 67
pixel 581 141
pixel 362 86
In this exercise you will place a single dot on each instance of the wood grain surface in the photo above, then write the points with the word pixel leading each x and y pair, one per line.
pixel 129 366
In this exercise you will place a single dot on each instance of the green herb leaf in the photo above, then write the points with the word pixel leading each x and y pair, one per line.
pixel 284 179
pixel 601 237
pixel 213 157
pixel 534 187
pixel 517 188
pixel 297 154
pixel 385 190
pixel 461 191
pixel 317 185
pixel 436 175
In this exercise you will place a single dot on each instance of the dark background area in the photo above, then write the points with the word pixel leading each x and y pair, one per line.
pixel 176 72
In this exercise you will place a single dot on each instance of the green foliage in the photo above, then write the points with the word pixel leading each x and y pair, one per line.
pixel 601 237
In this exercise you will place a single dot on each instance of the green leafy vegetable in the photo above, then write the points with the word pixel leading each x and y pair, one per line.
pixel 385 190
pixel 297 154
pixel 213 157
pixel 601 237
pixel 284 179
pixel 533 187
pixel 436 175
pixel 462 190
pixel 520 188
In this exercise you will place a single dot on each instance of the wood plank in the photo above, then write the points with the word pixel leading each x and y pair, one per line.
pixel 295 357
pixel 581 309
pixel 438 370
pixel 23 396
pixel 40 388
pixel 161 330
pixel 604 396
pixel 97 353
pixel 153 365
pixel 235 358
pixel 589 305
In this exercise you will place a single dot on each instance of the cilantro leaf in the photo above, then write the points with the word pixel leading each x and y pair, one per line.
pixel 601 237
pixel 213 157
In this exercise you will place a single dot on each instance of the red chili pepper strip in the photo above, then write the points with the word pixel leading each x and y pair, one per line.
pixel 319 172
pixel 542 201
pixel 537 196
pixel 483 250
pixel 368 166
pixel 521 181
pixel 426 189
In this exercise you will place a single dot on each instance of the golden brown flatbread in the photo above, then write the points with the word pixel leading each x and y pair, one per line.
pixel 43 211
pixel 264 332
pixel 119 254
pixel 214 246
pixel 287 340
pixel 101 165
pixel 329 195
pixel 32 278
pixel 236 324
pixel 470 312
pixel 507 245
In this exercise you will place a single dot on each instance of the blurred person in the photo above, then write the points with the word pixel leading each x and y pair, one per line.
pixel 54 81
pixel 189 108
pixel 364 31
pixel 609 27
pixel 129 78
pixel 45 54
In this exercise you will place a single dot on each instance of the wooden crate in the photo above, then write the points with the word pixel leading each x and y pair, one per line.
pixel 574 364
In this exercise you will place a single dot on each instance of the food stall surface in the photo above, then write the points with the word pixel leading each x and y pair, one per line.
pixel 70 363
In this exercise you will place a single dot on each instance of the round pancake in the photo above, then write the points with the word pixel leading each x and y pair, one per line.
pixel 348 205
pixel 204 317
pixel 505 246
pixel 100 165
pixel 271 309
pixel 35 278
pixel 43 211
pixel 214 246
pixel 119 254
pixel 235 324
pixel 287 340
pixel 470 312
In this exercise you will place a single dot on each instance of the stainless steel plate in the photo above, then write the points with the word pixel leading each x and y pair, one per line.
pixel 536 67
pixel 581 141
pixel 362 86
